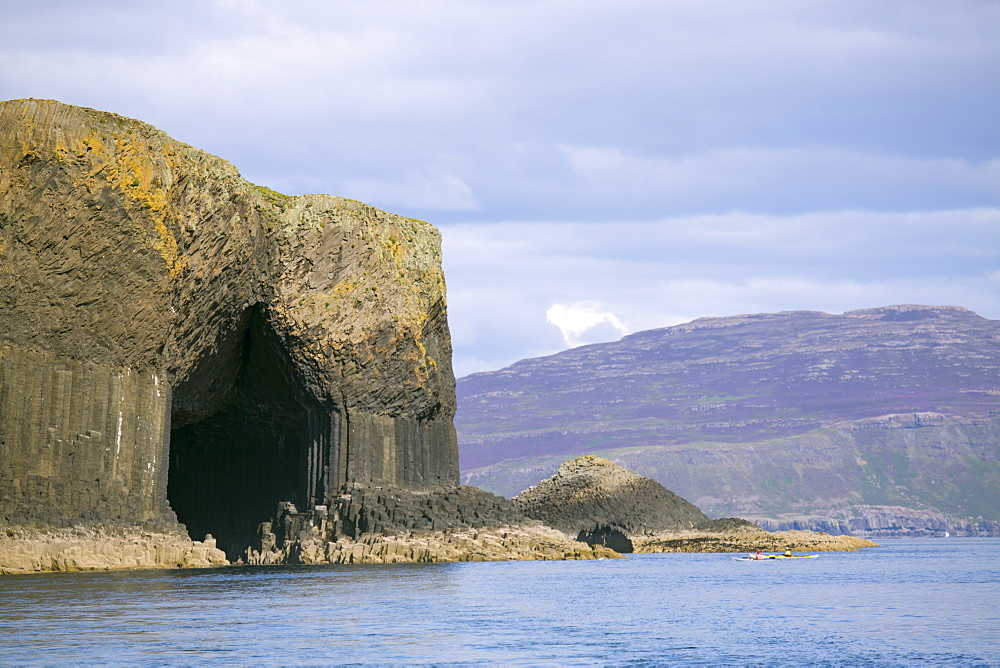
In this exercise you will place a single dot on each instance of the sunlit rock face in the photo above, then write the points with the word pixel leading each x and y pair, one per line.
pixel 174 338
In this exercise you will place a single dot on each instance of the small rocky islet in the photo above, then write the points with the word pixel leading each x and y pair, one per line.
pixel 603 503
pixel 198 371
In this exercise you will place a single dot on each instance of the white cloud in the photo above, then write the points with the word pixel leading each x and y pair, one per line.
pixel 576 320
pixel 666 108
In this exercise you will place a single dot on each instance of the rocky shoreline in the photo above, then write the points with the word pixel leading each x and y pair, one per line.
pixel 748 538
pixel 26 550
pixel 387 524
pixel 514 543
pixel 880 522
pixel 592 509
pixel 40 550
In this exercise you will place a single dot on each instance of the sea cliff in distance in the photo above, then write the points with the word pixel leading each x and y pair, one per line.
pixel 877 422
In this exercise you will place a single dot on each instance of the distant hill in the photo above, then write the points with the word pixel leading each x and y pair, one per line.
pixel 761 414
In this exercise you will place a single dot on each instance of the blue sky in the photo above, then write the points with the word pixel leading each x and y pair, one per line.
pixel 595 167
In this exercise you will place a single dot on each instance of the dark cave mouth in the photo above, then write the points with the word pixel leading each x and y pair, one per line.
pixel 228 471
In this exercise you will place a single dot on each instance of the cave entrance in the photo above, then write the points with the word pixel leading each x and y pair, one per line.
pixel 245 436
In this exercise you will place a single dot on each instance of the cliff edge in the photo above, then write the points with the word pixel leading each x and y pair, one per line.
pixel 180 345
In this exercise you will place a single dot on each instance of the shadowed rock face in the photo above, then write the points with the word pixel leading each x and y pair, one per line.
pixel 174 338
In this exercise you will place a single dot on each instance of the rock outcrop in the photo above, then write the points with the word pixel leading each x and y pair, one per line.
pixel 32 550
pixel 736 535
pixel 175 339
pixel 602 503
pixel 394 525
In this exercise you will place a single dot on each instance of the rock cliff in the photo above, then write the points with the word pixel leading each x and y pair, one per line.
pixel 177 343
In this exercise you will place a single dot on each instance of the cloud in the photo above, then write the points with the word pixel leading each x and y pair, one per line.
pixel 576 320
pixel 787 107
pixel 662 160
pixel 779 180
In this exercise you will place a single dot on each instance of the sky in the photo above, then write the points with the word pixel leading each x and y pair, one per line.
pixel 596 168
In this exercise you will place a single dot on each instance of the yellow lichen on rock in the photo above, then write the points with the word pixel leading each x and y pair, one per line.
pixel 143 171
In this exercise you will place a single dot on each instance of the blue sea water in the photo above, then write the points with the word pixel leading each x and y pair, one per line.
pixel 926 601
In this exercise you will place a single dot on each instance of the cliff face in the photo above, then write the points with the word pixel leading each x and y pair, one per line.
pixel 761 414
pixel 174 338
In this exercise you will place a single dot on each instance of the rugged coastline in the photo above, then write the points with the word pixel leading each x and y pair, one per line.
pixel 183 350
pixel 880 522
pixel 195 371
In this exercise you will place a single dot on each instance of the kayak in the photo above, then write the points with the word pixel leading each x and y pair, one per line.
pixel 765 557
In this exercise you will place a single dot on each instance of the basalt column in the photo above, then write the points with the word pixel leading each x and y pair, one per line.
pixel 81 441
pixel 125 257
pixel 267 442
pixel 360 308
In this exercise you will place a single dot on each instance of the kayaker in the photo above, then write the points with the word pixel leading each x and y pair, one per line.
pixel 788 553
pixel 758 555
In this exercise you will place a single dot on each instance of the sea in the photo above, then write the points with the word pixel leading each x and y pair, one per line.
pixel 933 601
